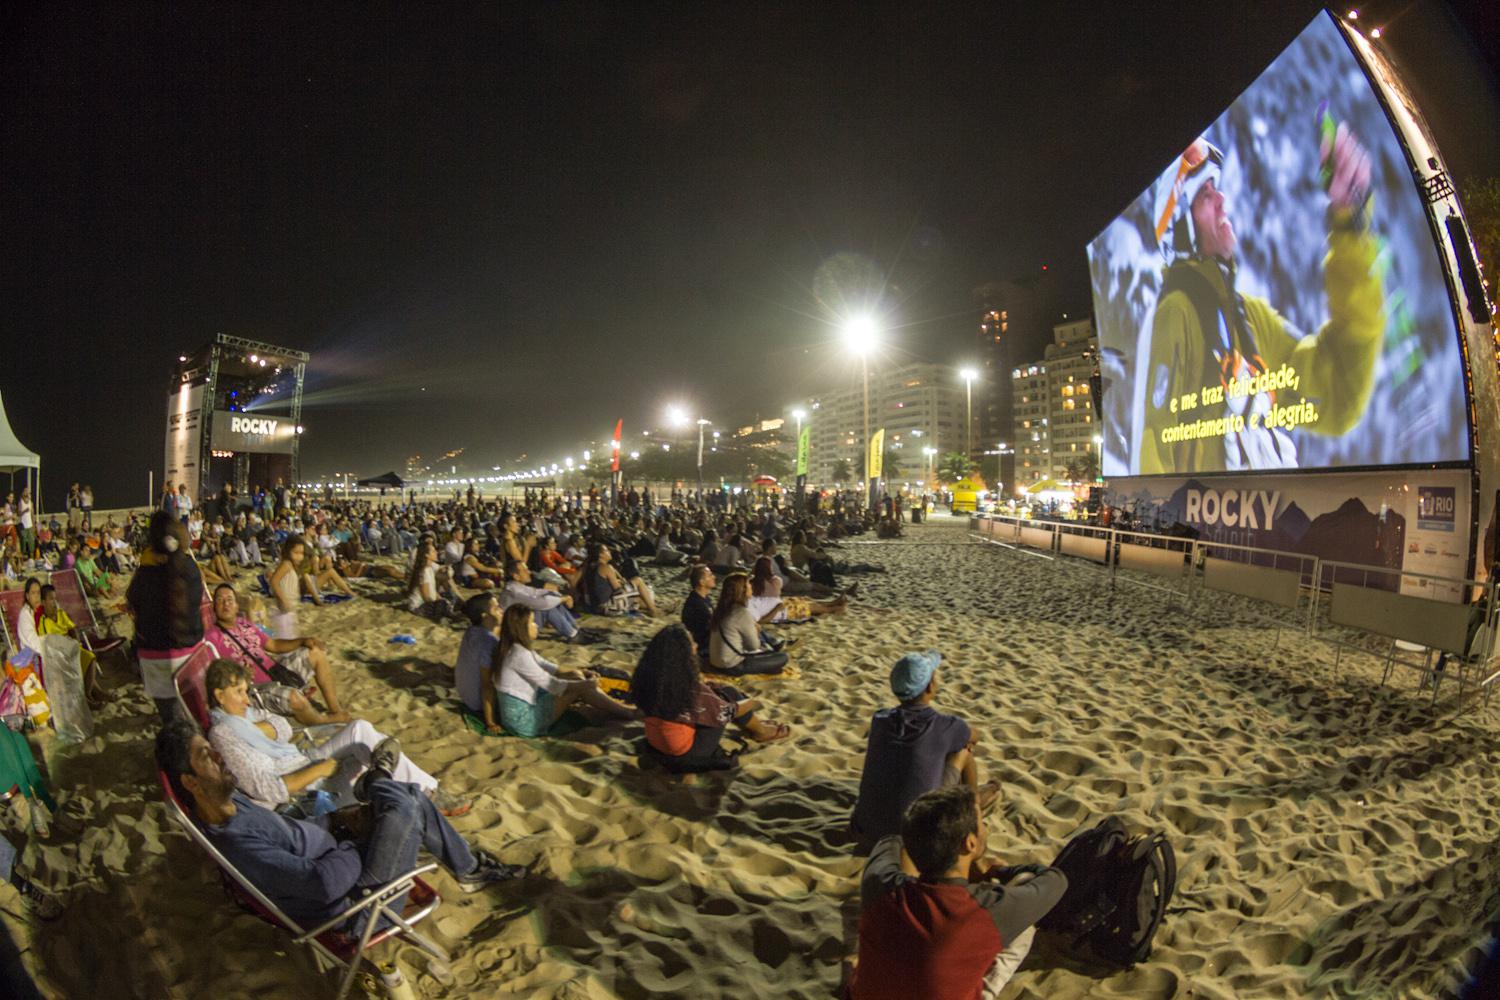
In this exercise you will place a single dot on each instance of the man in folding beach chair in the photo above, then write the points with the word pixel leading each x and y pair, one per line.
pixel 298 864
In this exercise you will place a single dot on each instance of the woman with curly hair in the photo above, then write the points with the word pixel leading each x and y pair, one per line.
pixel 685 716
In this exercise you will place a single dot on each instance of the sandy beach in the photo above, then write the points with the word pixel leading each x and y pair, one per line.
pixel 1335 838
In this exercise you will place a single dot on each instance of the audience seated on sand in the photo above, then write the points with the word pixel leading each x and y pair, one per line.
pixel 912 749
pixel 735 645
pixel 767 605
pixel 557 562
pixel 280 668
pixel 25 631
pixel 533 693
pixel 475 572
pixel 473 670
pixel 51 619
pixel 300 866
pixel 321 569
pixel 960 927
pixel 257 749
pixel 686 717
pixel 698 609
pixel 428 590
pixel 96 582
pixel 604 589
pixel 549 607
pixel 211 562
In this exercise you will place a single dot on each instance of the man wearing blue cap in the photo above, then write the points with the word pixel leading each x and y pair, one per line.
pixel 912 749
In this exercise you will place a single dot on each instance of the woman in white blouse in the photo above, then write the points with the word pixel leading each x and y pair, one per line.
pixel 532 692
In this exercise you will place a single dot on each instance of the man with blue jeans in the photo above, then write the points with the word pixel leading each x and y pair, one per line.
pixel 551 607
pixel 298 864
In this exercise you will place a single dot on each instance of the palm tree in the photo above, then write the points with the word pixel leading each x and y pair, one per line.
pixel 890 464
pixel 842 473
pixel 953 466
pixel 1084 469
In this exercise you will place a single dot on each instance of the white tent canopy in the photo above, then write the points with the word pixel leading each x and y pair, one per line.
pixel 14 456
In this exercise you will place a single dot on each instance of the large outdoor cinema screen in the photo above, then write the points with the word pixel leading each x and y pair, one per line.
pixel 1275 300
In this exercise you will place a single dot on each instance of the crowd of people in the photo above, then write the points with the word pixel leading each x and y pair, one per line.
pixel 231 574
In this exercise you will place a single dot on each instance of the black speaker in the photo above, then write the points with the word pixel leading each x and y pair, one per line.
pixel 1468 269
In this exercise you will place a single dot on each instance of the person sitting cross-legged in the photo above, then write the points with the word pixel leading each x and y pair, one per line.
pixel 281 667
pixel 958 929
pixel 298 864
pixel 912 748
pixel 257 749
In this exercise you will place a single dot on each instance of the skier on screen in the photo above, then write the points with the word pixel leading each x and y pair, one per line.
pixel 1229 377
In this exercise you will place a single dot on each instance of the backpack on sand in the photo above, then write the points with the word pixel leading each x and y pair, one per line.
pixel 1118 889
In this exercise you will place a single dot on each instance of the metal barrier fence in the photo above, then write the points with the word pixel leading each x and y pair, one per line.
pixel 1337 595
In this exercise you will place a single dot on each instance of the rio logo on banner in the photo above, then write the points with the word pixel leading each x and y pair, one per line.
pixel 1436 506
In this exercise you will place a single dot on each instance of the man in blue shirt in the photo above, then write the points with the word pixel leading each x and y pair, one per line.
pixel 299 865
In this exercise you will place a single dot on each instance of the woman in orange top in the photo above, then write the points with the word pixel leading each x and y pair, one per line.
pixel 686 717
pixel 555 560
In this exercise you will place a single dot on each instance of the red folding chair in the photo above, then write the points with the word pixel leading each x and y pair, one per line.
pixel 11 602
pixel 72 599
pixel 331 947
pixel 192 695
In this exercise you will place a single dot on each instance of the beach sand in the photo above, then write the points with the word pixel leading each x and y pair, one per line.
pixel 1335 838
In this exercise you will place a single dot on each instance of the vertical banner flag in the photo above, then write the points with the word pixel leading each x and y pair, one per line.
pixel 877 453
pixel 614 447
pixel 804 445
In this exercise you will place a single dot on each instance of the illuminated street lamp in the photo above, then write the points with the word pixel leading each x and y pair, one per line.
pixel 969 375
pixel 861 336
pixel 701 424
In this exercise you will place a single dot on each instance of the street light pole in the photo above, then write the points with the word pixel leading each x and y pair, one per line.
pixel 864 367
pixel 860 334
pixel 969 375
pixel 701 424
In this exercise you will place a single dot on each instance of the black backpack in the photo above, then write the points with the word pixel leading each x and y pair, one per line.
pixel 1118 889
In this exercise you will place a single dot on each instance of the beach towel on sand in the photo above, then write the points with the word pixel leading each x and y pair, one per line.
pixel 787 673
pixel 566 724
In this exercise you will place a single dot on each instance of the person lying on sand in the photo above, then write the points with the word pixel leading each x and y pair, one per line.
pixel 298 864
pixel 296 662
pixel 256 748
pixel 912 749
pixel 686 717
pixel 957 930
pixel 533 693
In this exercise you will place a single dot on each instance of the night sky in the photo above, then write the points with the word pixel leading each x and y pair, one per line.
pixel 502 227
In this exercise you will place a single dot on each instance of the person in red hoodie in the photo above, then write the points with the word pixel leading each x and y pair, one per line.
pixel 955 930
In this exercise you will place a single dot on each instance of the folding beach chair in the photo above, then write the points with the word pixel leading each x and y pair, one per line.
pixel 72 599
pixel 332 948
pixel 11 602
pixel 188 681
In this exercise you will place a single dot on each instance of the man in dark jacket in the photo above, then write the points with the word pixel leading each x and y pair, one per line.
pixel 697 611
